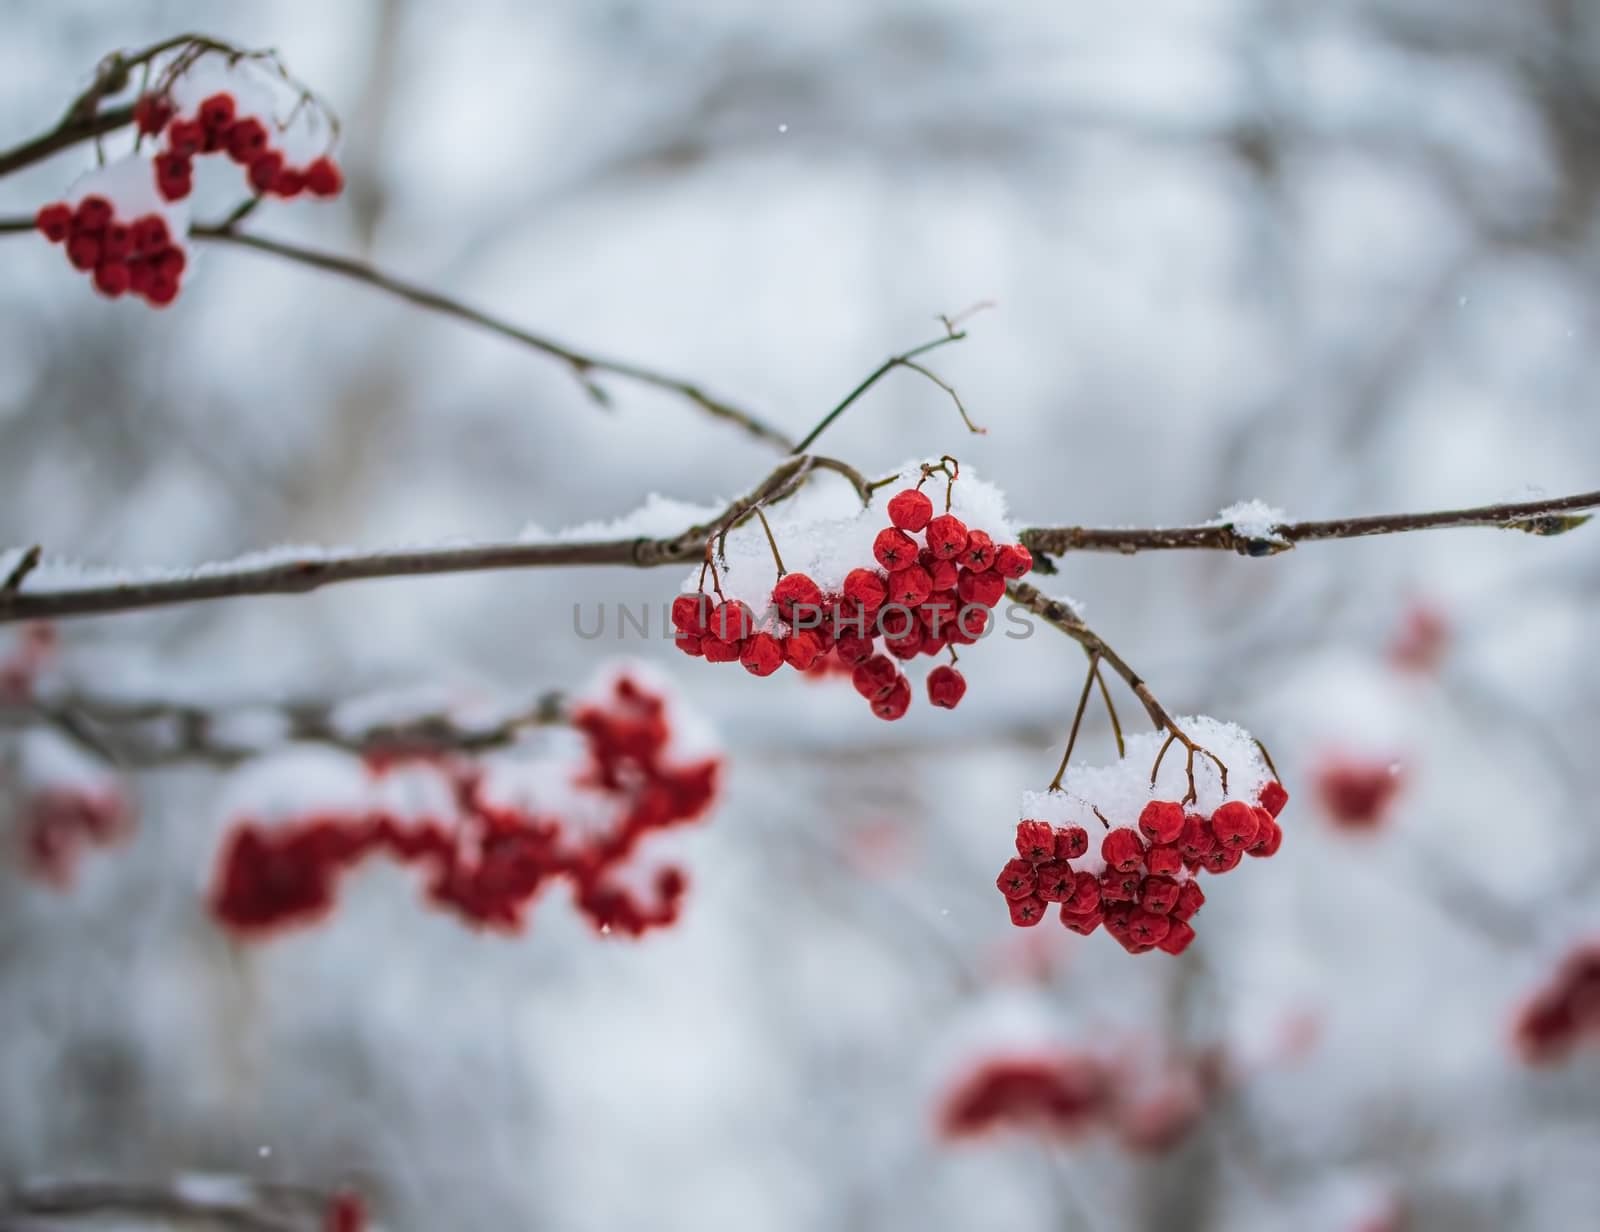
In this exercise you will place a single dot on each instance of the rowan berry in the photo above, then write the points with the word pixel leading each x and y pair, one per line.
pixel 947 536
pixel 946 687
pixel 910 510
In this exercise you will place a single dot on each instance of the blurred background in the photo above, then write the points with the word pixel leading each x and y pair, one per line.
pixel 1340 257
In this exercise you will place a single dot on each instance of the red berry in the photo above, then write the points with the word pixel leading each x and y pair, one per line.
pixel 1161 821
pixel 54 221
pixel 985 589
pixel 140 272
pixel 796 596
pixel 1036 841
pixel 1057 882
pixel 853 648
pixel 874 677
pixel 1122 850
pixel 1221 860
pixel 1082 923
pixel 1197 838
pixel 969 624
pixel 186 138
pixel 92 214
pixel 894 549
pixel 980 552
pixel 111 278
pixel 1017 879
pixel 801 649
pixel 732 620
pixel 947 535
pixel 1119 887
pixel 938 613
pixel 289 184
pixel 174 176
pixel 323 177
pixel 896 702
pixel 762 655
pixel 1274 797
pixel 1179 935
pixel 1235 825
pixel 216 112
pixel 1158 895
pixel 264 171
pixel 1268 839
pixel 1026 912
pixel 83 251
pixel 910 586
pixel 171 262
pixel 719 650
pixel 1071 842
pixel 910 510
pixel 866 588
pixel 1165 859
pixel 246 141
pixel 905 648
pixel 151 113
pixel 1013 561
pixel 944 574
pixel 691 644
pixel 1147 928
pixel 150 234
pixel 689 612
pixel 1190 899
pixel 116 242
pixel 161 290
pixel 946 687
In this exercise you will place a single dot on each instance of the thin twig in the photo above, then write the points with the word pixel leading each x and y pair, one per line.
pixel 1540 517
pixel 1111 710
pixel 583 365
pixel 1077 720
pixel 139 734
pixel 294 575
pixel 19 572
pixel 877 374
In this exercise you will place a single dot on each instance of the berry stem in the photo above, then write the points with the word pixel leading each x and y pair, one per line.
pixel 772 543
pixel 1175 733
pixel 1077 720
pixel 1111 710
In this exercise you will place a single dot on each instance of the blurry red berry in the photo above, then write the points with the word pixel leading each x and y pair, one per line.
pixel 151 113
pixel 161 290
pixel 92 214
pixel 83 251
pixel 54 221
pixel 323 177
pixel 150 234
pixel 289 184
pixel 186 138
pixel 111 278
pixel 246 140
pixel 264 171
pixel 217 111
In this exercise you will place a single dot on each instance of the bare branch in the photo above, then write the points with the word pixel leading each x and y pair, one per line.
pixel 1540 517
pixel 294 575
pixel 19 572
pixel 584 366
pixel 139 734
pixel 74 130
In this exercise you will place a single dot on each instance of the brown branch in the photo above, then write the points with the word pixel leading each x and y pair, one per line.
pixel 74 130
pixel 224 1201
pixel 140 734
pixel 301 574
pixel 26 564
pixel 1541 517
pixel 582 364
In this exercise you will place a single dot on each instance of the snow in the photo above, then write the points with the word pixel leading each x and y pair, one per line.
pixel 660 517
pixel 129 183
pixel 1252 518
pixel 1121 789
pixel 824 532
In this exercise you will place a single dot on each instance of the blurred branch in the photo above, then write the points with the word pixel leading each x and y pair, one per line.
pixel 1541 517
pixel 294 575
pixel 138 734
pixel 73 130
pixel 223 1201
pixel 26 564
pixel 583 365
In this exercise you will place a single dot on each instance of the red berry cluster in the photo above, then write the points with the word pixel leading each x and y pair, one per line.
pixel 1147 893
pixel 59 822
pixel 217 127
pixel 21 665
pixel 136 256
pixel 1565 1013
pixel 922 598
pixel 489 861
pixel 1056 1093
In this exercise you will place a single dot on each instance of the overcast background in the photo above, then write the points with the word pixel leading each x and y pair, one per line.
pixel 1337 256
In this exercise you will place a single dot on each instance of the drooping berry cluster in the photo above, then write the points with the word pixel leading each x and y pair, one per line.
pixel 1564 1015
pixel 61 821
pixel 489 860
pixel 1357 793
pixel 1142 881
pixel 219 126
pixel 138 256
pixel 922 596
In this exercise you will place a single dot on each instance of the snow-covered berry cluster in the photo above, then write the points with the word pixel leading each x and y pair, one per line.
pixel 493 836
pixel 932 584
pixel 1565 1014
pixel 126 255
pixel 219 125
pixel 1121 846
